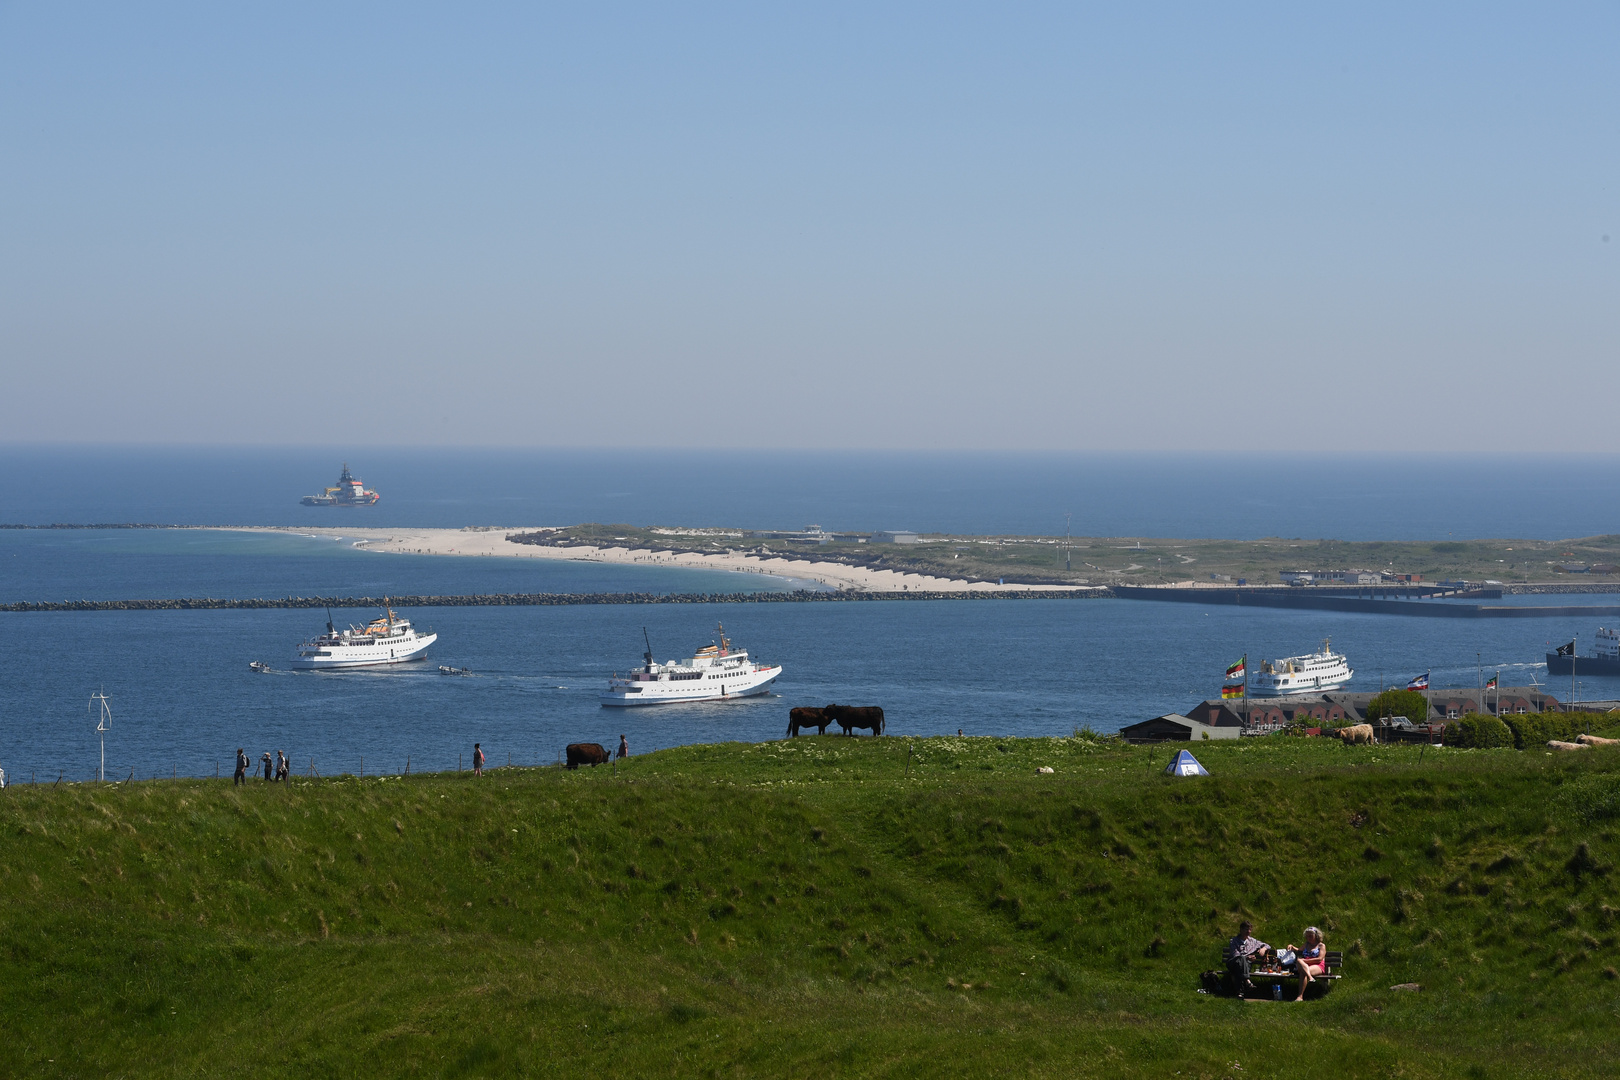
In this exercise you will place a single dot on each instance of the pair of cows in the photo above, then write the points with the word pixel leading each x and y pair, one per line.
pixel 848 717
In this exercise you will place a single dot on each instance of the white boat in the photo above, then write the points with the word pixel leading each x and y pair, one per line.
pixel 1308 674
pixel 715 673
pixel 387 639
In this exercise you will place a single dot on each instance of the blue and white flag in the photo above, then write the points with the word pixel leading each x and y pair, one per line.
pixel 1419 683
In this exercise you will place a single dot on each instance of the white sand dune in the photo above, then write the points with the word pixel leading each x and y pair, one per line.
pixel 489 541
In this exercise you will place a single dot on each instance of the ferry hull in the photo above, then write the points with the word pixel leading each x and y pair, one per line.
pixel 613 699
pixel 1310 687
pixel 1582 665
pixel 373 656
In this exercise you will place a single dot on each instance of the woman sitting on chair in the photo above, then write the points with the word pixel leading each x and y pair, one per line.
pixel 1310 960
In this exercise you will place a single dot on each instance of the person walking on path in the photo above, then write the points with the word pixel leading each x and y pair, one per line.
pixel 624 747
pixel 241 767
pixel 268 768
pixel 478 760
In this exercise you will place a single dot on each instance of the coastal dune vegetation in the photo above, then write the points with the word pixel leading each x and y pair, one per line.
pixel 823 906
pixel 1056 560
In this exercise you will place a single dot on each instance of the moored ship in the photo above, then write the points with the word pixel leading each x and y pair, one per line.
pixel 348 492
pixel 1308 674
pixel 387 639
pixel 715 673
pixel 1605 661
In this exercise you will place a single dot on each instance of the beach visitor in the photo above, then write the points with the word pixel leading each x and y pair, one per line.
pixel 269 769
pixel 1242 951
pixel 478 760
pixel 241 767
pixel 624 747
pixel 1311 960
pixel 283 765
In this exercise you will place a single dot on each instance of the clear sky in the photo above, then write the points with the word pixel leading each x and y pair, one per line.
pixel 757 225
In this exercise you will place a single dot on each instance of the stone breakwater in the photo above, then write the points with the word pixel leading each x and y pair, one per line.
pixel 804 596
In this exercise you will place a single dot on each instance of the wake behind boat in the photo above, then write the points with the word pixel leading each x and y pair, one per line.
pixel 714 673
pixel 387 639
pixel 1308 674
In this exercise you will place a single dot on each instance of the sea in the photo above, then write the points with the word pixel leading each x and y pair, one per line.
pixel 183 699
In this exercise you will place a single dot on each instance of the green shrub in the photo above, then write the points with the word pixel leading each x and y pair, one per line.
pixel 1477 732
pixel 1531 730
pixel 1408 703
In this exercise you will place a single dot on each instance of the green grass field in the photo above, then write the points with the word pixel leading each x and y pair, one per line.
pixel 822 907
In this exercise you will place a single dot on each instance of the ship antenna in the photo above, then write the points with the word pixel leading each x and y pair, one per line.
pixel 330 629
pixel 648 653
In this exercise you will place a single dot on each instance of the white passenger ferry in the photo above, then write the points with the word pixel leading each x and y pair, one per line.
pixel 1323 670
pixel 714 673
pixel 387 639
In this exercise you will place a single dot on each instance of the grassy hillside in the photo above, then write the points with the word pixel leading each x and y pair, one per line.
pixel 821 907
pixel 1142 561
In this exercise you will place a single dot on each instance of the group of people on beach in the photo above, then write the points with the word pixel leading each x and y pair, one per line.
pixel 1245 953
pixel 279 769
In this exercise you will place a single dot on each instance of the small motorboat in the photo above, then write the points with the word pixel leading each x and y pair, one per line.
pixel 260 666
pixel 445 670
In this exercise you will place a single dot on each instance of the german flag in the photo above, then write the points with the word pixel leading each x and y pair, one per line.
pixel 1229 692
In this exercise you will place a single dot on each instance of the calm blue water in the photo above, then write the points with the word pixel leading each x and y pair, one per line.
pixel 183 697
pixel 1297 494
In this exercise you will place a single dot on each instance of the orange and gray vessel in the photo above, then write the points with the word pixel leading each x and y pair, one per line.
pixel 349 492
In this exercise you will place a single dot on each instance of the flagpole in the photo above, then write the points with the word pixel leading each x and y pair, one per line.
pixel 1247 718
pixel 1572 642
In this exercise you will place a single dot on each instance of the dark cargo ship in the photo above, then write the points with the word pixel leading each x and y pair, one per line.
pixel 349 492
pixel 1606 661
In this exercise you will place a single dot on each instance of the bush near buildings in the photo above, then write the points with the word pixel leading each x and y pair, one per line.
pixel 1521 731
pixel 1408 703
pixel 1477 732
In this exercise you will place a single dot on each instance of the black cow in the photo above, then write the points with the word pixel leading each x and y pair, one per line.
pixel 851 717
pixel 586 753
pixel 808 718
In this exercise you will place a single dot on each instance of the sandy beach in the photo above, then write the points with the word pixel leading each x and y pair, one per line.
pixel 488 541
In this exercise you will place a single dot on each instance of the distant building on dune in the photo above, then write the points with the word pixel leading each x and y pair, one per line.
pixel 896 536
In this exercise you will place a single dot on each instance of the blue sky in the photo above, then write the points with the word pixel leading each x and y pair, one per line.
pixel 940 225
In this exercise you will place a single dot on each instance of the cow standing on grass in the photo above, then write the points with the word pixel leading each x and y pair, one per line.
pixel 1357 733
pixel 853 717
pixel 586 753
pixel 803 717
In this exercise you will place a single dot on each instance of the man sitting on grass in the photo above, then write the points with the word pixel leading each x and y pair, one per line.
pixel 1242 952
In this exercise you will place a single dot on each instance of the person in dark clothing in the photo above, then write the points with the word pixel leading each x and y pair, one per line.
pixel 624 747
pixel 478 760
pixel 241 767
pixel 283 765
pixel 1242 951
pixel 269 768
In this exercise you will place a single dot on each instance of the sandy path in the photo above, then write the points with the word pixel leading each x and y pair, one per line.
pixel 486 541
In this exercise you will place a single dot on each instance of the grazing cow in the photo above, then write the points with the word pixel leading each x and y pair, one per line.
pixel 1558 744
pixel 1595 740
pixel 586 753
pixel 851 717
pixel 1356 733
pixel 802 717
